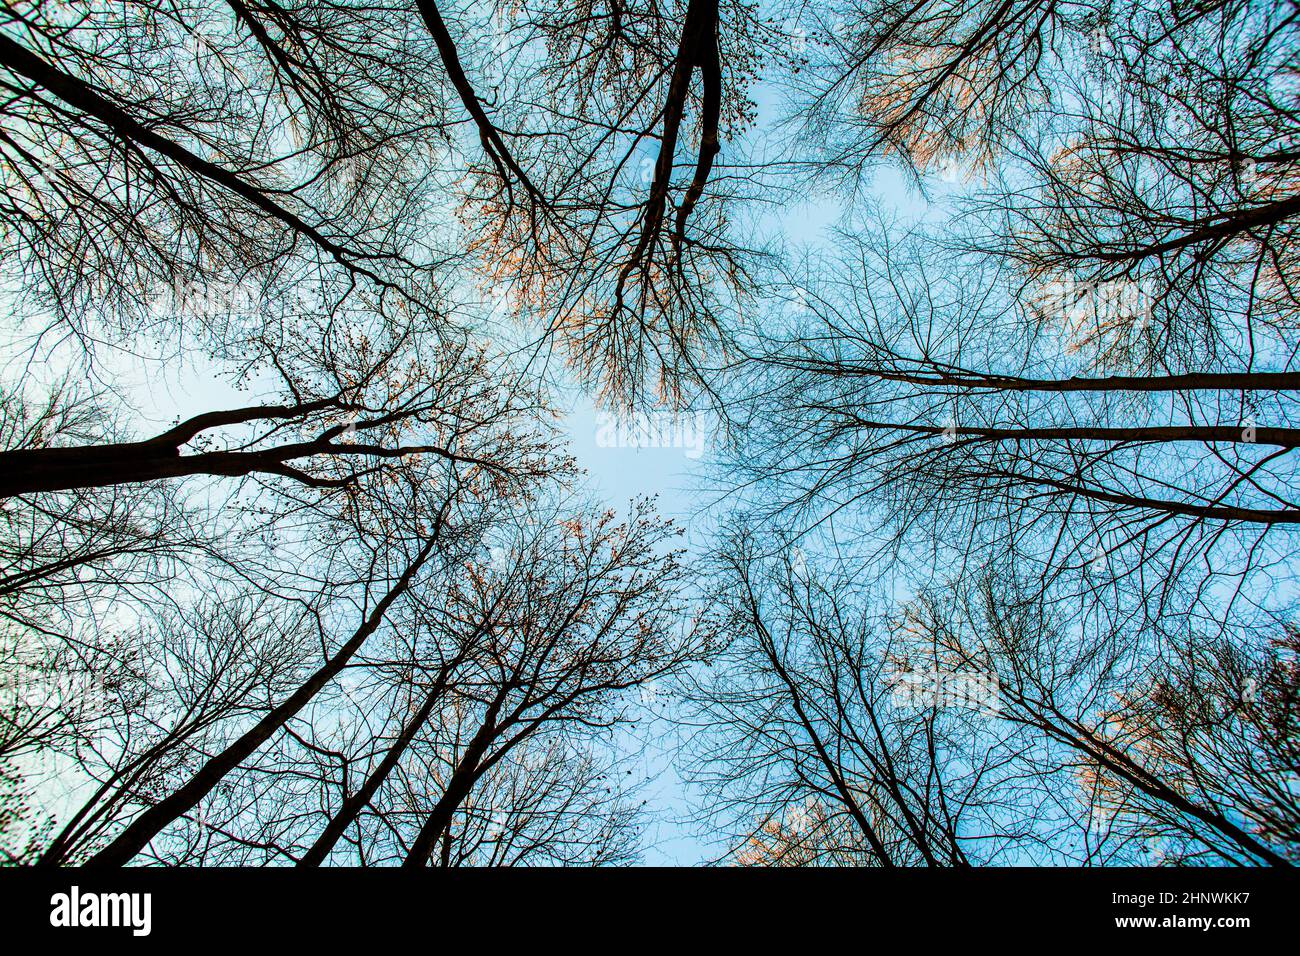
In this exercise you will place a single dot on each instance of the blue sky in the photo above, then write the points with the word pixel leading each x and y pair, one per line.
pixel 159 393
pixel 682 480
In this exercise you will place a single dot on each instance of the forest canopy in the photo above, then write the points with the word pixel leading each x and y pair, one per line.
pixel 991 310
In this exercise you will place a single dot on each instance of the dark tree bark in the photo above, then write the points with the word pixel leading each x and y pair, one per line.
pixel 83 97
pixel 151 822
pixel 353 805
pixel 458 787
pixel 32 470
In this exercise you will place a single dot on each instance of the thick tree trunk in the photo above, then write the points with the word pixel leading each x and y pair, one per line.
pixel 30 470
pixel 59 469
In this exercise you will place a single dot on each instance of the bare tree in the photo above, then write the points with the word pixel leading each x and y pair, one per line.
pixel 477 724
pixel 1167 174
pixel 1174 751
pixel 353 398
pixel 552 802
pixel 916 394
pixel 149 146
pixel 584 614
pixel 142 705
pixel 814 749
pixel 603 186
pixel 1220 725
pixel 930 80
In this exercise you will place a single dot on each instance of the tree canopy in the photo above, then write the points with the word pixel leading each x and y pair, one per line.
pixel 992 308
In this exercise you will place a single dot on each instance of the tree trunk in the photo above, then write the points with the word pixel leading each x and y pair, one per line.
pixel 151 822
pixel 458 788
pixel 353 805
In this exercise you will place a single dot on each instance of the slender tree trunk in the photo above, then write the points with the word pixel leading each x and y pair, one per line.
pixel 796 700
pixel 1117 764
pixel 1209 434
pixel 1228 225
pixel 981 381
pixel 495 147
pixel 1073 735
pixel 458 788
pixel 353 805
pixel 151 822
pixel 83 97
